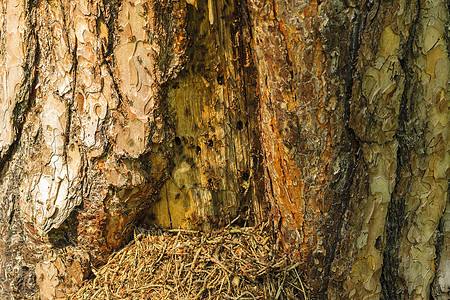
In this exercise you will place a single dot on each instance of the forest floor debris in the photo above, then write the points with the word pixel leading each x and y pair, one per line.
pixel 231 263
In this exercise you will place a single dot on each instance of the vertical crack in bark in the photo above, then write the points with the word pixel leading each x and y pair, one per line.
pixel 245 64
pixel 74 86
pixel 109 14
pixel 447 31
pixel 436 290
pixel 393 286
pixel 350 152
pixel 26 92
pixel 58 236
pixel 19 281
pixel 168 209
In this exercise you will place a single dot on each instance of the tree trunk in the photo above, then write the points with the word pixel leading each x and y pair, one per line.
pixel 328 117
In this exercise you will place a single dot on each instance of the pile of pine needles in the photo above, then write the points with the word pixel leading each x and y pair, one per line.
pixel 232 263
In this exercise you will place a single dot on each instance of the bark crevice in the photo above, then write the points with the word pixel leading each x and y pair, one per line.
pixel 26 91
pixel 350 150
pixel 437 287
pixel 393 286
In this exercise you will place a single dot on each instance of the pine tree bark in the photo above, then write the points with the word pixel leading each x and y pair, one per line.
pixel 356 148
pixel 327 117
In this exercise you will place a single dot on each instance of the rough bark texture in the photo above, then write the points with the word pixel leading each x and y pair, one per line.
pixel 330 117
pixel 354 121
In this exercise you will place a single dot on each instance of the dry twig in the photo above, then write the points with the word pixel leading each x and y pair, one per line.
pixel 233 263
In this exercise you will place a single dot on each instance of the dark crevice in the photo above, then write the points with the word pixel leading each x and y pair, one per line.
pixel 72 100
pixel 63 11
pixel 435 290
pixel 393 286
pixel 20 283
pixel 168 209
pixel 166 29
pixel 247 69
pixel 109 14
pixel 162 32
pixel 447 31
pixel 26 94
pixel 350 148
pixel 66 234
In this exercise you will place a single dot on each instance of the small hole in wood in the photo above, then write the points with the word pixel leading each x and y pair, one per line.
pixel 220 80
pixel 378 245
